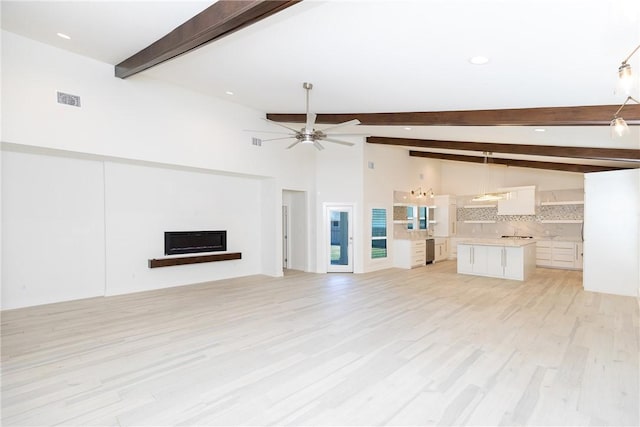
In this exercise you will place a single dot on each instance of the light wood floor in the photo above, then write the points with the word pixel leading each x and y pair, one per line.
pixel 397 347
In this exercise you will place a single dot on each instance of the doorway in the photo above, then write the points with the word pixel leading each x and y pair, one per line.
pixel 294 230
pixel 339 238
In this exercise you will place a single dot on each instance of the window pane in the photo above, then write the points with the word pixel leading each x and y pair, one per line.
pixel 379 223
pixel 379 248
pixel 378 233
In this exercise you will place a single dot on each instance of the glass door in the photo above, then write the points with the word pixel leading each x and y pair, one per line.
pixel 340 239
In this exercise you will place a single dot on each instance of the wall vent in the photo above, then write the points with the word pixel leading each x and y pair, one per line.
pixel 68 99
pixel 256 141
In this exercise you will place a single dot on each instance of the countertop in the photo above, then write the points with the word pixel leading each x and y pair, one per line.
pixel 499 242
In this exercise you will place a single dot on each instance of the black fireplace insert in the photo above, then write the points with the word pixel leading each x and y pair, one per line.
pixel 189 242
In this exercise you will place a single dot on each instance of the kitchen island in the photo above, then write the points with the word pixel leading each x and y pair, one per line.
pixel 503 258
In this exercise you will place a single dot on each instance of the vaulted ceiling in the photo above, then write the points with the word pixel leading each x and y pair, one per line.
pixel 401 67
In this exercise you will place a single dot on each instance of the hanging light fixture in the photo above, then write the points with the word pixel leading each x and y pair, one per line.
pixel 484 195
pixel 618 126
pixel 626 82
pixel 418 193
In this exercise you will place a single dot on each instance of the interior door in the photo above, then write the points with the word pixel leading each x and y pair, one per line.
pixel 285 237
pixel 340 239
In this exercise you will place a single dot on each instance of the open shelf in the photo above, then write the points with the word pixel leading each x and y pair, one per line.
pixel 574 202
pixel 562 221
pixel 193 259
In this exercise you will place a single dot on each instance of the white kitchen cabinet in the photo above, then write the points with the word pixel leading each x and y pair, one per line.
pixel 543 253
pixel 441 246
pixel 494 260
pixel 453 246
pixel 444 216
pixel 472 259
pixel 559 254
pixel 409 253
pixel 519 201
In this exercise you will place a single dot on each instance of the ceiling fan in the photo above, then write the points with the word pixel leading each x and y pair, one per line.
pixel 308 134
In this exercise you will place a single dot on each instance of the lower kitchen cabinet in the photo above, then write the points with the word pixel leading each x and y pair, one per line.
pixel 409 253
pixel 441 248
pixel 509 262
pixel 559 254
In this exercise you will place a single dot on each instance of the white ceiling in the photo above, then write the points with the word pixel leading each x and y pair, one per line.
pixel 379 56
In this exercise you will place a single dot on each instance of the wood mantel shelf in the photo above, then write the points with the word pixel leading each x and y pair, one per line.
pixel 193 259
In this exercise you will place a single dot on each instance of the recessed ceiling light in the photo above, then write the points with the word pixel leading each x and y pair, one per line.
pixel 479 60
pixel 407 128
pixel 540 130
pixel 63 36
pixel 229 92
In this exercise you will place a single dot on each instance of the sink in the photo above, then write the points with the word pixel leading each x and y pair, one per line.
pixel 516 237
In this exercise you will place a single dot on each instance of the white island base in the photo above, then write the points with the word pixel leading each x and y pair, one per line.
pixel 506 259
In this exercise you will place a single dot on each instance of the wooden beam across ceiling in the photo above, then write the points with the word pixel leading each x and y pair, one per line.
pixel 218 20
pixel 565 167
pixel 614 154
pixel 547 116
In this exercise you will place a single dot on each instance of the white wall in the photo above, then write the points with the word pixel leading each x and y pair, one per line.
pixel 52 229
pixel 393 169
pixel 142 202
pixel 612 232
pixel 143 119
pixel 137 118
pixel 76 228
pixel 339 180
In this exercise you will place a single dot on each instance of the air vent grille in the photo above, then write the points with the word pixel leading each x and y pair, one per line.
pixel 256 141
pixel 68 99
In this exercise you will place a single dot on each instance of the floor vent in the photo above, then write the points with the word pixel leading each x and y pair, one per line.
pixel 68 99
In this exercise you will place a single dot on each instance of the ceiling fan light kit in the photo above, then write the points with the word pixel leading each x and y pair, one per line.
pixel 626 85
pixel 309 134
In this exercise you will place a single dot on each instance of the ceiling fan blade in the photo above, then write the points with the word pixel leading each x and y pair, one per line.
pixel 275 139
pixel 311 121
pixel 281 125
pixel 347 134
pixel 350 122
pixel 277 132
pixel 293 145
pixel 338 141
pixel 318 145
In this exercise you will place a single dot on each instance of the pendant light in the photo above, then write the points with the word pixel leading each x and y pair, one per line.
pixel 618 126
pixel 484 195
pixel 626 84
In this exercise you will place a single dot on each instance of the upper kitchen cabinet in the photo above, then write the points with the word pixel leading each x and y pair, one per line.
pixel 519 201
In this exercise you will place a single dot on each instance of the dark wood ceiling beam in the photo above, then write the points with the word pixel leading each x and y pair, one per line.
pixel 615 154
pixel 564 167
pixel 218 20
pixel 546 116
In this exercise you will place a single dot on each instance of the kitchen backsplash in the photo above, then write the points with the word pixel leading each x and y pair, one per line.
pixel 525 225
pixel 543 213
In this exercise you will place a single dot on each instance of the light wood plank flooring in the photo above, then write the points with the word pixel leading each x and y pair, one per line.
pixel 396 347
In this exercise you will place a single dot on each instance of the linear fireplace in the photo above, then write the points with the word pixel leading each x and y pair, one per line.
pixel 189 242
